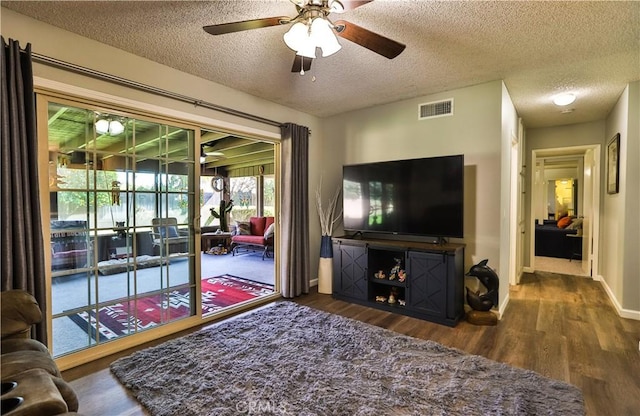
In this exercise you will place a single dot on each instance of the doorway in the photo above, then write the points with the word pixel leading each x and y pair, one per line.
pixel 564 210
pixel 237 194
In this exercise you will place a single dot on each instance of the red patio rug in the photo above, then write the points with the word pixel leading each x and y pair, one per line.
pixel 124 318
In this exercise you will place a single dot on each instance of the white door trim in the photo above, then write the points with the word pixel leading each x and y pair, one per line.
pixel 596 197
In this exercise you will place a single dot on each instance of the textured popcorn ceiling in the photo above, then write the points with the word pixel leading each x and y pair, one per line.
pixel 538 48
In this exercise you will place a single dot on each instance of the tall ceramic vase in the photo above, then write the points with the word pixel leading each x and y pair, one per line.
pixel 325 267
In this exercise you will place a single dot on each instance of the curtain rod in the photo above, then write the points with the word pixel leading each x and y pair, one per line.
pixel 148 88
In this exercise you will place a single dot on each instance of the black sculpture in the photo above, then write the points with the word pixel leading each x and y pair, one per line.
pixel 490 280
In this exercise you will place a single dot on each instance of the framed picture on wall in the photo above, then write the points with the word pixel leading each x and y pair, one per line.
pixel 613 164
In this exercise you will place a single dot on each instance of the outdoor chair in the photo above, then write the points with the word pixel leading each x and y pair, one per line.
pixel 167 238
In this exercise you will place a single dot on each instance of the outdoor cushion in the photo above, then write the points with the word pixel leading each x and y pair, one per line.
pixel 243 228
pixel 258 225
pixel 249 239
pixel 270 231
pixel 169 231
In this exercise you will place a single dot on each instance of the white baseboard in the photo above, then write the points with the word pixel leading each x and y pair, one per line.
pixel 624 313
pixel 313 282
pixel 528 269
pixel 503 306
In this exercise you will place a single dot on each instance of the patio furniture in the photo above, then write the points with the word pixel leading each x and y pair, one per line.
pixel 215 240
pixel 167 238
pixel 257 234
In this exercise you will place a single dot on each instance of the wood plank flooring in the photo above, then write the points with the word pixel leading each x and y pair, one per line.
pixel 563 327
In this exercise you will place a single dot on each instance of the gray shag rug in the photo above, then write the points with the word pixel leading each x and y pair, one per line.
pixel 295 360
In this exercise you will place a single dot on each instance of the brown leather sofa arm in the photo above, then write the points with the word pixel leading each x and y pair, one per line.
pixel 19 311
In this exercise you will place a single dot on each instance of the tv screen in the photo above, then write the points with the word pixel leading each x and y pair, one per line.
pixel 411 197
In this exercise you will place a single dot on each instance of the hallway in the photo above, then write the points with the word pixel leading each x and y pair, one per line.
pixel 557 265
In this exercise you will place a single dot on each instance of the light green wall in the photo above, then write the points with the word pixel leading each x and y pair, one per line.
pixel 393 131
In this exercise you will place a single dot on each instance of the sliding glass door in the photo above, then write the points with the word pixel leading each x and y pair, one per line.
pixel 121 206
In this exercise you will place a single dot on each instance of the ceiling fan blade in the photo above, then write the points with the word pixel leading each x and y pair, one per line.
pixel 377 43
pixel 246 25
pixel 301 64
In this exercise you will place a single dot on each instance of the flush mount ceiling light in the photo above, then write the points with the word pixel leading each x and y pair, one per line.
pixel 564 99
pixel 105 125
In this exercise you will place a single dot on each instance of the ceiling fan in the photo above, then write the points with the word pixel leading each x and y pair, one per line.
pixel 311 29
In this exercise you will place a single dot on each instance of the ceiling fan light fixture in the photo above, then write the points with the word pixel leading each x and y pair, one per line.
pixel 308 49
pixel 323 37
pixel 297 36
pixel 210 151
pixel 330 48
pixel 335 6
pixel 304 38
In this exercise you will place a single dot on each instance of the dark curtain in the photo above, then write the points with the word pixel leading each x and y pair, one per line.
pixel 294 253
pixel 22 242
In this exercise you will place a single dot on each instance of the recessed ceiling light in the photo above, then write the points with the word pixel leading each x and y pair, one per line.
pixel 564 99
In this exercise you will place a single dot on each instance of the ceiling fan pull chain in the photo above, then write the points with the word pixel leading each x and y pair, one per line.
pixel 301 65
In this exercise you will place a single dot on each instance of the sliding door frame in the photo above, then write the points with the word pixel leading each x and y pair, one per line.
pixel 54 90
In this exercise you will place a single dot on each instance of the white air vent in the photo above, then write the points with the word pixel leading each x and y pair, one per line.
pixel 435 109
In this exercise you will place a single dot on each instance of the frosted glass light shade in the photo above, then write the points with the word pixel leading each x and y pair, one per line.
pixel 102 126
pixel 564 99
pixel 323 37
pixel 111 127
pixel 304 39
pixel 115 127
pixel 308 50
pixel 330 47
pixel 336 6
pixel 297 36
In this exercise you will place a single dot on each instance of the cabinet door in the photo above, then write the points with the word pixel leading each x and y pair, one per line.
pixel 350 271
pixel 427 283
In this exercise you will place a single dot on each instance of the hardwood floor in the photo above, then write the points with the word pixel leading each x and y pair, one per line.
pixel 563 327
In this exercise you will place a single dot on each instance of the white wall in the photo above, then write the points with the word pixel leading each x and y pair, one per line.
pixel 613 213
pixel 631 274
pixel 508 218
pixel 393 131
pixel 621 227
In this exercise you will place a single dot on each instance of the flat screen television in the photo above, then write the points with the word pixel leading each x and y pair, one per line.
pixel 423 197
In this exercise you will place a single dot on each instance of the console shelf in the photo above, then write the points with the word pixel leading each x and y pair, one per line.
pixel 433 288
pixel 387 282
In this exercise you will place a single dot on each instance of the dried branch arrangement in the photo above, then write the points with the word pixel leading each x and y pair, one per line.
pixel 328 216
